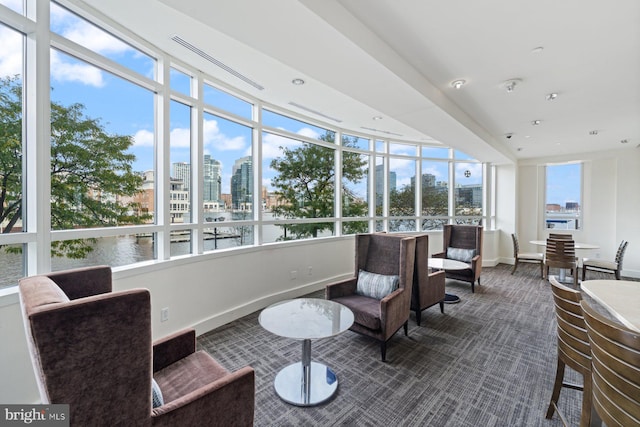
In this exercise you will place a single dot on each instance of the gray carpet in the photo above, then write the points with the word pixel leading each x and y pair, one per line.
pixel 488 361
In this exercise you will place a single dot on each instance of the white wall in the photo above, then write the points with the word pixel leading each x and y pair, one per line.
pixel 611 204
pixel 202 292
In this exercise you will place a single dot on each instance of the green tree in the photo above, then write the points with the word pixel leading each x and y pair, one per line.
pixel 92 179
pixel 306 185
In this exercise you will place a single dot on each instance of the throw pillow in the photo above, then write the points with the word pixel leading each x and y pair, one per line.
pixel 459 254
pixel 156 394
pixel 375 285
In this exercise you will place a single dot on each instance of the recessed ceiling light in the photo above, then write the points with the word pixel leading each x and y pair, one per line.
pixel 377 117
pixel 536 122
pixel 297 82
pixel 510 85
pixel 538 49
pixel 593 132
pixel 624 141
pixel 551 96
pixel 458 83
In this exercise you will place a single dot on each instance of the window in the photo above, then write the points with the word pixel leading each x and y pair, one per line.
pixel 228 186
pixel 563 207
pixel 230 103
pixel 11 156
pixel 468 192
pixel 435 194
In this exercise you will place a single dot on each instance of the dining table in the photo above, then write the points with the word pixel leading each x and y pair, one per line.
pixel 621 298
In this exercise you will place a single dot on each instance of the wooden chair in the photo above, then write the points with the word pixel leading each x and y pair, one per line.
pixel 561 253
pixel 615 358
pixel 531 257
pixel 559 236
pixel 614 267
pixel 573 350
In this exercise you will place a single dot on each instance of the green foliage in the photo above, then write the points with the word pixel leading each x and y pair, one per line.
pixel 306 185
pixel 92 180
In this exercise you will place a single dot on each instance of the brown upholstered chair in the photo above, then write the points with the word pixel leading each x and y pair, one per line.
pixel 614 267
pixel 531 257
pixel 385 255
pixel 561 253
pixel 463 243
pixel 573 350
pixel 91 348
pixel 428 287
pixel 615 367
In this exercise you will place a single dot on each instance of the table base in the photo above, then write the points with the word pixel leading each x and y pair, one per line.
pixel 320 385
pixel 451 299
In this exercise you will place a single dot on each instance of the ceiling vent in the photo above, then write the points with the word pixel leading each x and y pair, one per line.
pixel 309 110
pixel 216 62
pixel 381 131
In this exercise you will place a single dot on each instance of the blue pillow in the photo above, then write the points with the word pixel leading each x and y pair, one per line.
pixel 375 285
pixel 459 254
pixel 156 394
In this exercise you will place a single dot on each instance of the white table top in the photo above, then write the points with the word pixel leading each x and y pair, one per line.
pixel 576 245
pixel 446 264
pixel 620 297
pixel 306 318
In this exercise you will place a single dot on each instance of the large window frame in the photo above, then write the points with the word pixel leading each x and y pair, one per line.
pixel 560 182
pixel 37 236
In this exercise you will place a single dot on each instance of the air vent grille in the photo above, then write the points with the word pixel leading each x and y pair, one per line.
pixel 302 107
pixel 381 131
pixel 216 62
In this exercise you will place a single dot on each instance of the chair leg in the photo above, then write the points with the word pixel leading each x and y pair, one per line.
pixel 617 273
pixel 515 266
pixel 442 307
pixel 383 350
pixel 557 386
pixel 418 316
pixel 406 328
pixel 584 272
pixel 585 417
pixel 542 270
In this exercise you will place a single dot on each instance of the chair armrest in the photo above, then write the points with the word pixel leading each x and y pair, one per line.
pixel 227 401
pixel 438 255
pixel 172 348
pixel 394 309
pixel 476 265
pixel 341 289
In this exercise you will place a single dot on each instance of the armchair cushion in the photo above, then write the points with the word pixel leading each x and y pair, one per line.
pixel 459 254
pixel 366 311
pixel 376 286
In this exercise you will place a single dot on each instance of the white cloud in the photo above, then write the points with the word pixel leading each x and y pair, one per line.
pixel 221 142
pixel 309 133
pixel 68 72
pixel 143 138
pixel 95 39
pixel 180 138
pixel 11 58
pixel 271 145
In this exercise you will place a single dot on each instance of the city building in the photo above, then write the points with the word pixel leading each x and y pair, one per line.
pixel 242 184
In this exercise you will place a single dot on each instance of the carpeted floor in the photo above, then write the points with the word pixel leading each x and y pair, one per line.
pixel 488 361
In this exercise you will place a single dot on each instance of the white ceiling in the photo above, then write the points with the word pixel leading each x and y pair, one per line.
pixel 397 59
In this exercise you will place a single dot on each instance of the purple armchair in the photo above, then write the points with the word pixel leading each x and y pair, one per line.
pixel 466 242
pixel 384 255
pixel 91 348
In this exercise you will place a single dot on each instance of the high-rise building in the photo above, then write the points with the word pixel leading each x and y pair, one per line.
pixel 242 184
pixel 380 183
pixel 182 172
pixel 428 180
pixel 212 179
